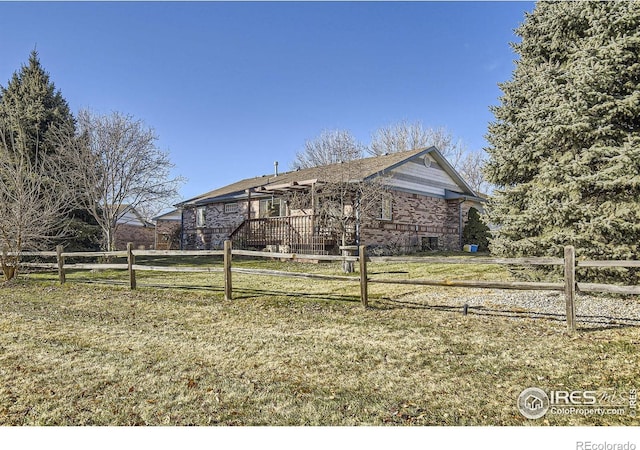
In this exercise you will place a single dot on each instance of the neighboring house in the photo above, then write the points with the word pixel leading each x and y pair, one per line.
pixel 132 227
pixel 168 229
pixel 426 208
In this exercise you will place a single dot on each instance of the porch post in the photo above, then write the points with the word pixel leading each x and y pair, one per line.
pixel 358 219
pixel 460 224
pixel 248 191
pixel 313 213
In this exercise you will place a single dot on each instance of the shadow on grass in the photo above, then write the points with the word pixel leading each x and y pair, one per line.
pixel 238 293
pixel 590 322
pixel 596 322
pixel 245 294
pixel 252 293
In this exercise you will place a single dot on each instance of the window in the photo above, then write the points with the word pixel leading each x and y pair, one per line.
pixel 271 208
pixel 429 243
pixel 386 210
pixel 230 208
pixel 201 217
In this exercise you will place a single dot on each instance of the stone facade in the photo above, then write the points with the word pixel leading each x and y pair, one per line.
pixel 217 227
pixel 418 223
pixel 430 203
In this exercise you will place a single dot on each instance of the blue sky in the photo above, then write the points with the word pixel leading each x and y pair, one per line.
pixel 232 87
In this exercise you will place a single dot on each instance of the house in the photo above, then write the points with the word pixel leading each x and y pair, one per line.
pixel 167 230
pixel 425 208
pixel 533 403
pixel 132 227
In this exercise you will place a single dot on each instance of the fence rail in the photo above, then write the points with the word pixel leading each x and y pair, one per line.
pixel 568 286
pixel 477 284
pixel 475 260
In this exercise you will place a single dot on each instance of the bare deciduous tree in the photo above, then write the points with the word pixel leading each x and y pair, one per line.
pixel 330 147
pixel 470 168
pixel 344 200
pixel 33 198
pixel 119 166
pixel 405 136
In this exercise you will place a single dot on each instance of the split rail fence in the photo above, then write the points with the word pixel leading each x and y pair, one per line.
pixel 568 286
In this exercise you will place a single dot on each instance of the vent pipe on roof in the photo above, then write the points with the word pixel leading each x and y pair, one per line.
pixel 275 166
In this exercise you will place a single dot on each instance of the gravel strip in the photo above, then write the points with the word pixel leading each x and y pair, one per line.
pixel 591 311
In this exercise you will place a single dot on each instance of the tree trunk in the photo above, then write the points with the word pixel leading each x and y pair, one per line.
pixel 9 264
pixel 8 271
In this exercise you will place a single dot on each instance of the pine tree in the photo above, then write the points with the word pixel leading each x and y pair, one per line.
pixel 33 106
pixel 565 145
pixel 35 113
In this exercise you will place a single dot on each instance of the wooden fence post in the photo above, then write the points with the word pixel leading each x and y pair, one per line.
pixel 227 271
pixel 364 293
pixel 570 285
pixel 60 260
pixel 131 259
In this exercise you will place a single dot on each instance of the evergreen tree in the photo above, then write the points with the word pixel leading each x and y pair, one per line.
pixel 35 114
pixel 476 231
pixel 34 107
pixel 565 145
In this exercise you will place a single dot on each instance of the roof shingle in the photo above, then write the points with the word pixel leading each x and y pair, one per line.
pixel 357 169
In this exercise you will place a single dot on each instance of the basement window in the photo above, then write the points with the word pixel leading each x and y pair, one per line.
pixel 429 243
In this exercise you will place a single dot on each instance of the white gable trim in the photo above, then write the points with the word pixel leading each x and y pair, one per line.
pixel 412 174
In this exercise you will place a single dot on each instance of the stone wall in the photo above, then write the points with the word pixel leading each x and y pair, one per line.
pixel 415 219
pixel 218 226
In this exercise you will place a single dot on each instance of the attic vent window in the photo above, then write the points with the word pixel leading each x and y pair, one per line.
pixel 427 161
pixel 230 208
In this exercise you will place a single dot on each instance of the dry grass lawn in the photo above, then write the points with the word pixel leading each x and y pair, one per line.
pixel 94 354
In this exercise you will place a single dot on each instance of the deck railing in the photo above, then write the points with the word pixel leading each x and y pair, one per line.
pixel 289 234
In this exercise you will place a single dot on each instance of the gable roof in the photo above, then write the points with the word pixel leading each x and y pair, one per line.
pixel 361 169
pixel 128 215
pixel 173 215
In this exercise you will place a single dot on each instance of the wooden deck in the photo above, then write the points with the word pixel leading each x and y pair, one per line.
pixel 290 234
